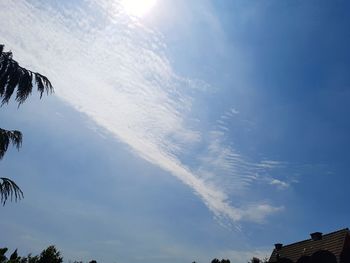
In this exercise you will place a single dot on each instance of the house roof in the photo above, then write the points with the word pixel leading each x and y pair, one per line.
pixel 333 242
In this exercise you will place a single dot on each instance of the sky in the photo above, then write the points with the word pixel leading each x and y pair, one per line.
pixel 184 132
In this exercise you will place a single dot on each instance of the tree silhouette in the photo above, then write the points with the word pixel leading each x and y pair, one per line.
pixel 3 251
pixel 14 258
pixel 50 255
pixel 257 260
pixel 13 78
pixel 215 260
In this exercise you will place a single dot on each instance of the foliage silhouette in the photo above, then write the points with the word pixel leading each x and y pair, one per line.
pixel 257 260
pixel 7 137
pixel 2 254
pixel 50 255
pixel 9 189
pixel 215 260
pixel 14 256
pixel 12 77
pixel 30 259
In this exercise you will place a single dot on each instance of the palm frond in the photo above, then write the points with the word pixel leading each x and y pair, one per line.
pixel 9 189
pixel 7 137
pixel 13 76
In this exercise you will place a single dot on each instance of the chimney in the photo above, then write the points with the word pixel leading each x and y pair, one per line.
pixel 278 246
pixel 316 236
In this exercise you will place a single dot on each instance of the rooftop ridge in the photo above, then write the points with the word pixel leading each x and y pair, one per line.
pixel 328 234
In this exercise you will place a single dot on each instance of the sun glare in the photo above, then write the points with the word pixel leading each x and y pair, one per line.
pixel 138 8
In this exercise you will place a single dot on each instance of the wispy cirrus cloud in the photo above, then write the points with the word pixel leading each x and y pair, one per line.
pixel 114 70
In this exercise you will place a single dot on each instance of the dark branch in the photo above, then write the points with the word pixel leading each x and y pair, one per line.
pixel 7 137
pixel 9 189
pixel 13 76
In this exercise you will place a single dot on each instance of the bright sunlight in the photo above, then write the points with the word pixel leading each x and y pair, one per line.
pixel 138 7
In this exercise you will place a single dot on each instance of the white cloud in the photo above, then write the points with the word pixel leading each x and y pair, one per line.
pixel 280 184
pixel 114 70
pixel 234 111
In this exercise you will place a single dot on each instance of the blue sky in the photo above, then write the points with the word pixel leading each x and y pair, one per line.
pixel 201 129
